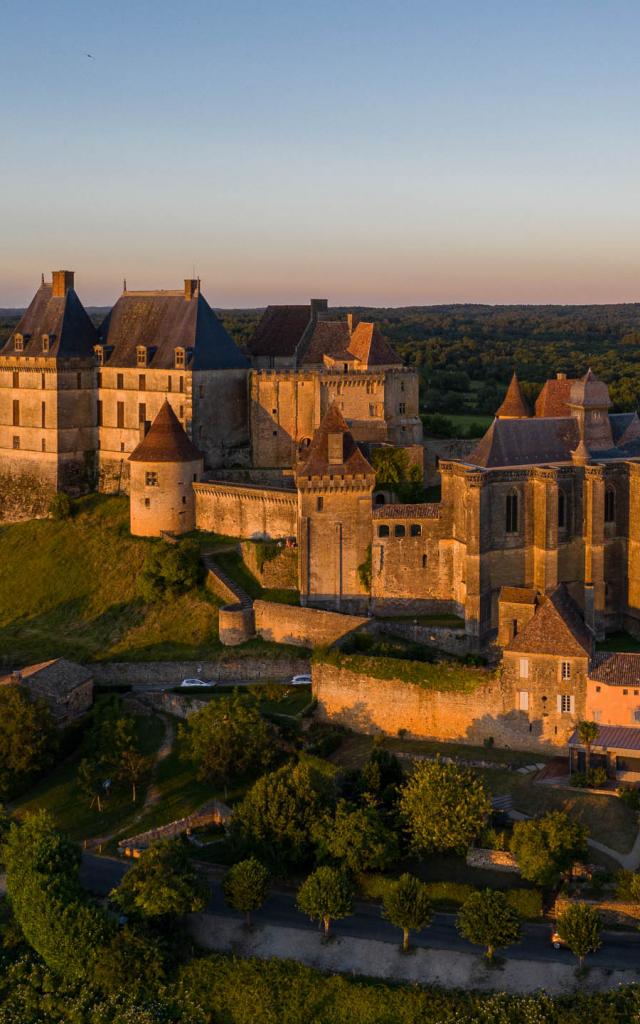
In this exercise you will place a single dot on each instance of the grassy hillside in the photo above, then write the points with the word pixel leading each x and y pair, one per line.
pixel 69 589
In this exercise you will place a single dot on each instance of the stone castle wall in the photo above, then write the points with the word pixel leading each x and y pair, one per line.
pixel 307 627
pixel 171 673
pixel 279 570
pixel 24 496
pixel 245 511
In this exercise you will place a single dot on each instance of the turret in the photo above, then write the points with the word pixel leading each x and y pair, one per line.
pixel 514 406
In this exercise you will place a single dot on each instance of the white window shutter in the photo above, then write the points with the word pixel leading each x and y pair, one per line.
pixel 559 702
pixel 572 704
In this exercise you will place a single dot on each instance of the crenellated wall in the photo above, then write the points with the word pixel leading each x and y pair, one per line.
pixel 246 511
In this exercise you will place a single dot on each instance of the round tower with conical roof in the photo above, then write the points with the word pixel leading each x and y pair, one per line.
pixel 164 467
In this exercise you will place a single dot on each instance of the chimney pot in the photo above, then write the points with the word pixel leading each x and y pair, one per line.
pixel 561 376
pixel 62 282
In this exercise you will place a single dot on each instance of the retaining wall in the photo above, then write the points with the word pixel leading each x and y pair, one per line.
pixel 308 627
pixel 445 638
pixel 246 511
pixel 162 673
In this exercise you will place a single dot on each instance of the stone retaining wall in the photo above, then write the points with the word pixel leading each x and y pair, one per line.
pixel 494 860
pixel 160 673
pixel 307 627
pixel 445 638
pixel 246 511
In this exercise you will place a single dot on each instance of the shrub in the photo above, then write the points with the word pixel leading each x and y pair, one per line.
pixel 448 893
pixel 630 796
pixel 526 902
pixel 169 570
pixel 60 506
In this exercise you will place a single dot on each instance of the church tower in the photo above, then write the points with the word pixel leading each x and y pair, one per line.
pixel 335 483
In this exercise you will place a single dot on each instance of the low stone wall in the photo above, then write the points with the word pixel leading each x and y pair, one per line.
pixel 170 673
pixel 494 860
pixel 445 638
pixel 370 705
pixel 279 570
pixel 236 624
pixel 307 627
pixel 23 497
pixel 613 912
pixel 217 585
pixel 246 511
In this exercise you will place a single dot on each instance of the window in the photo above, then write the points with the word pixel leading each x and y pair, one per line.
pixel 424 561
pixel 120 381
pixel 597 716
pixel 566 670
pixel 523 700
pixel 524 668
pixel 141 355
pixel 402 408
pixel 181 384
pixel 147 502
pixel 399 531
pixel 402 385
pixel 598 688
pixel 122 446
pixel 514 628
pixel 99 378
pixel 346 367
pixel 379 499
pixel 181 412
pixel 179 354
pixel 120 415
pixel 19 343
pixel 99 353
pixel 625 693
pixel 43 413
pixel 635 715
pixel 142 382
pixel 78 380
pixel 383 531
pixel 184 500
pixel 562 510
pixel 416 530
pixel 45 342
pixel 319 504
pixel 372 410
pixel 151 479
pixel 201 391
pixel 511 518
pixel 16 379
pixel 16 442
pixel 381 558
pixel 609 505
pixel 142 412
pixel 16 412
pixel 169 385
pixel 566 703
pixel 44 445
pixel 99 412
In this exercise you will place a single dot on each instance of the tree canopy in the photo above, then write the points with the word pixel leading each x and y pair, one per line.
pixel 580 926
pixel 487 919
pixel 162 882
pixel 226 738
pixel 546 847
pixel 444 807
pixel 406 904
pixel 170 569
pixel 28 738
pixel 245 886
pixel 356 838
pixel 325 896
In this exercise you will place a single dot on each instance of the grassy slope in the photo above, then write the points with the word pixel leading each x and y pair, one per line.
pixel 69 589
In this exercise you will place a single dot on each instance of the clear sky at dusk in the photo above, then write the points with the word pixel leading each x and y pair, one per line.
pixel 377 152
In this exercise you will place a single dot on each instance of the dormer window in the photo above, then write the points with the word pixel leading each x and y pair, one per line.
pixel 99 354
pixel 141 355
pixel 18 343
pixel 46 339
pixel 180 354
pixel 335 448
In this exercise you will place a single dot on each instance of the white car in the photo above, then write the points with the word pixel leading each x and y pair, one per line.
pixel 195 682
pixel 301 681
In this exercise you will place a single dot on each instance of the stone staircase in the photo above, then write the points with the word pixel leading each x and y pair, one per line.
pixel 223 586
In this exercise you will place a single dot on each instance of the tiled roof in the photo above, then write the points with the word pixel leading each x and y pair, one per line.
pixel 53 678
pixel 518 595
pixel 616 737
pixel 324 337
pixel 279 330
pixel 525 442
pixel 514 404
pixel 166 441
pixel 315 461
pixel 63 318
pixel 553 400
pixel 556 628
pixel 163 321
pixel 615 669
pixel 369 345
pixel 428 510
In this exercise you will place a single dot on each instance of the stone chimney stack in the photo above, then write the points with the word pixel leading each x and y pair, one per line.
pixel 62 283
pixel 350 323
pixel 318 306
pixel 561 376
pixel 191 287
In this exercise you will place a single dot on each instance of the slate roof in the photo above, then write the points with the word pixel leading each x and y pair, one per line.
pixel 590 392
pixel 279 330
pixel 616 737
pixel 556 628
pixel 428 510
pixel 55 678
pixel 315 461
pixel 163 321
pixel 63 318
pixel 514 404
pixel 615 669
pixel 166 441
pixel 553 400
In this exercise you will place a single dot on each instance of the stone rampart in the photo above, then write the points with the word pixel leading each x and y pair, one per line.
pixel 273 566
pixel 236 624
pixel 246 511
pixel 374 705
pixel 444 638
pixel 227 670
pixel 308 627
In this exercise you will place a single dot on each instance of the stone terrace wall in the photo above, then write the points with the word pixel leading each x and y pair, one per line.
pixel 445 638
pixel 246 511
pixel 370 705
pixel 167 673
pixel 309 627
pixel 279 572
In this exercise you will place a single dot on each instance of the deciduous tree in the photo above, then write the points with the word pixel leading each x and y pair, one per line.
pixel 245 886
pixel 407 906
pixel 357 838
pixel 580 926
pixel 486 919
pixel 546 847
pixel 227 738
pixel 444 807
pixel 27 738
pixel 325 896
pixel 162 882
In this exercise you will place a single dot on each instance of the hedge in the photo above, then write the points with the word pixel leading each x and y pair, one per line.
pixel 441 675
pixel 527 902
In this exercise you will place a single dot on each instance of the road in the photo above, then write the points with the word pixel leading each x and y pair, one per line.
pixel 619 949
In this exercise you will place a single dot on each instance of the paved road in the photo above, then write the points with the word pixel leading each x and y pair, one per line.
pixel 619 950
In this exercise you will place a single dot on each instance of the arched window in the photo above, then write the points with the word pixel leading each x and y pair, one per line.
pixel 562 510
pixel 383 531
pixel 399 531
pixel 424 561
pixel 610 505
pixel 511 510
pixel 379 499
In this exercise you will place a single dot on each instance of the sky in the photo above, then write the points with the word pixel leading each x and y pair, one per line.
pixel 374 152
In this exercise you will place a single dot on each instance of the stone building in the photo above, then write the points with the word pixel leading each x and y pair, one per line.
pixel 65 686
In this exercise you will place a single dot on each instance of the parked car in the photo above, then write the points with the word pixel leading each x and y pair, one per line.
pixel 557 941
pixel 195 682
pixel 301 681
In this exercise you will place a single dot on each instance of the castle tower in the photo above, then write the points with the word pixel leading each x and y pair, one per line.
pixel 335 483
pixel 48 432
pixel 164 467
pixel 514 406
pixel 589 402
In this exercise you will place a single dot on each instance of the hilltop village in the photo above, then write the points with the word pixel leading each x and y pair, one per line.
pixel 532 547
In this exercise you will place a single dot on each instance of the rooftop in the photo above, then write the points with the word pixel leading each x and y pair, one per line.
pixel 556 628
pixel 316 462
pixel 166 441
pixel 616 737
pixel 615 669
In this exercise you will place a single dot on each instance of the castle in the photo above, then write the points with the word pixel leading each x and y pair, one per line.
pixel 537 524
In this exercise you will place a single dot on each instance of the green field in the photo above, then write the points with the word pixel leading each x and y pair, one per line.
pixel 465 420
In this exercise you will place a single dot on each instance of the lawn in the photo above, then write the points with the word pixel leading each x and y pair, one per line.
pixel 465 420
pixel 231 562
pixel 68 589
pixel 619 642
pixel 59 793
pixel 356 749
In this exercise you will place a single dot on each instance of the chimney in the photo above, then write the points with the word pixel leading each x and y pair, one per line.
pixel 191 287
pixel 561 376
pixel 350 323
pixel 318 306
pixel 62 282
